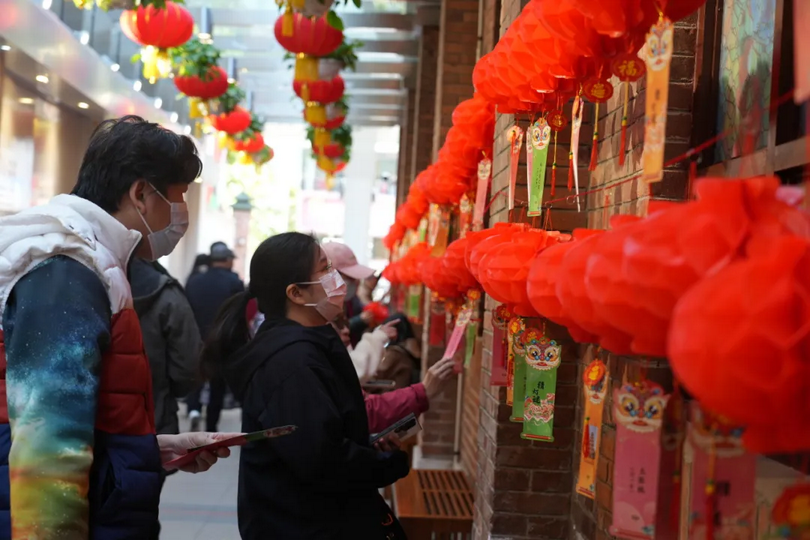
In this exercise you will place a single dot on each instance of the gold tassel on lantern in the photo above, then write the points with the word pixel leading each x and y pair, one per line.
pixel 156 64
pixel 306 68
pixel 287 22
pixel 298 5
pixel 315 113
pixel 197 108
pixel 330 181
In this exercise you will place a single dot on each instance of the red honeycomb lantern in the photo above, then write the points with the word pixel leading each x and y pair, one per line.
pixel 213 85
pixel 313 37
pixel 163 28
pixel 320 91
pixel 233 122
pixel 331 150
pixel 250 146
pixel 456 266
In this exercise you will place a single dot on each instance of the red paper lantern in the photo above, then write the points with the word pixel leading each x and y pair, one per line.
pixel 541 286
pixel 471 254
pixel 212 86
pixel 456 266
pixel 320 91
pixel 331 150
pixel 163 28
pixel 572 293
pixel 378 311
pixel 313 37
pixel 251 145
pixel 233 122
pixel 433 275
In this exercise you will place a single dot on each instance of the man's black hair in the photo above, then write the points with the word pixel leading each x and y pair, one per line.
pixel 125 150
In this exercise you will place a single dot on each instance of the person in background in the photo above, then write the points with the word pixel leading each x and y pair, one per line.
pixel 77 425
pixel 402 361
pixel 383 410
pixel 207 292
pixel 369 351
pixel 366 291
pixel 171 340
pixel 322 481
pixel 345 262
pixel 201 264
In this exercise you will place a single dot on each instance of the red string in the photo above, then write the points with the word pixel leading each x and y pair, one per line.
pixel 709 143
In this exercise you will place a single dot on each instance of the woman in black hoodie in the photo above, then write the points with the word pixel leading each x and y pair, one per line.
pixel 322 481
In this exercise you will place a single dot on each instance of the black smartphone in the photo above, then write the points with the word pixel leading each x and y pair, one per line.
pixel 404 428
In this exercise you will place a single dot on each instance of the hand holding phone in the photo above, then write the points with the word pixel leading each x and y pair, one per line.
pixel 404 429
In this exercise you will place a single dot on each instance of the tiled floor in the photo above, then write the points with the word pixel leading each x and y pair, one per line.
pixel 203 506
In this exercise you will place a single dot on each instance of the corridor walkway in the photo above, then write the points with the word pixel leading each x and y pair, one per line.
pixel 203 506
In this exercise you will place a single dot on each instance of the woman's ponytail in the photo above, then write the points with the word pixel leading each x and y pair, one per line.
pixel 230 332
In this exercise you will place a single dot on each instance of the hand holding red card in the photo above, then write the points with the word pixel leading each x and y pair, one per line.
pixel 238 440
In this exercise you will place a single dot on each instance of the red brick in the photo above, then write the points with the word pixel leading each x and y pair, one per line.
pixel 548 527
pixel 604 496
pixel 509 524
pixel 508 479
pixel 551 482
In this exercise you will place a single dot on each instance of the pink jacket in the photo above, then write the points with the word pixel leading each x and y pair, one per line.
pixel 385 409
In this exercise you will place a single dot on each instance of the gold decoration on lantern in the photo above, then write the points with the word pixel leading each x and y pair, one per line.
pixel 197 108
pixel 156 64
pixel 315 113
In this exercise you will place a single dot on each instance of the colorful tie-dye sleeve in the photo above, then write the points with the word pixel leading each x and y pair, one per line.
pixel 57 323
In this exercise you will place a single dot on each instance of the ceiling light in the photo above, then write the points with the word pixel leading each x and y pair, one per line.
pixel 83 105
pixel 46 4
pixel 174 117
pixel 43 79
pixel 115 67
pixel 158 103
pixel 231 80
pixel 26 100
pixel 84 38
pixel 137 85
pixel 5 48
pixel 187 130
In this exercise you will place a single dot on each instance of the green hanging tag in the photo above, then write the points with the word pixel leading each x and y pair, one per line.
pixel 542 361
pixel 536 161
pixel 517 327
pixel 469 345
pixel 423 227
pixel 414 300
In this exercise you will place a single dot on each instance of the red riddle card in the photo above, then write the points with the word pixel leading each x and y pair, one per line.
pixel 240 440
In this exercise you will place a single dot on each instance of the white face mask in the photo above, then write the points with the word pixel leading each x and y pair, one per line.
pixel 332 305
pixel 164 241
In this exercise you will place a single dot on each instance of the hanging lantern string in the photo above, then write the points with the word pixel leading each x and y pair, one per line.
pixel 784 98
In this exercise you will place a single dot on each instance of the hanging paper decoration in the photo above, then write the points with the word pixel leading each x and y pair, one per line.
pixel 668 520
pixel 543 357
pixel 515 138
pixel 638 409
pixel 573 154
pixel 499 371
pixel 515 353
pixel 557 122
pixel 536 160
pixel 627 68
pixel 484 174
pixel 658 56
pixel 414 303
pixel 595 384
pixel 437 322
pixel 721 478
pixel 469 341
pixel 438 229
pixel 801 56
pixel 464 216
pixel 462 320
pixel 597 91
pixel 519 369
pixel 790 517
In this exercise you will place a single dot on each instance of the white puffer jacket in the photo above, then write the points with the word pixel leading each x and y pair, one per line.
pixel 368 354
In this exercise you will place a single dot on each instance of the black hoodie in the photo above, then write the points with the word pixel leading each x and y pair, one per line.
pixel 322 481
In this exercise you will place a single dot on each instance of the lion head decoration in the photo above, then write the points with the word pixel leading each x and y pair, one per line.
pixel 541 352
pixel 595 380
pixel 640 406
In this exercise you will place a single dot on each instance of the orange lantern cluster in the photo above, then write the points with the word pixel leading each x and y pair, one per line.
pixel 553 47
pixel 406 271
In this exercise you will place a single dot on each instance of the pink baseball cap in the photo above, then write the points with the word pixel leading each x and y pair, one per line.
pixel 344 261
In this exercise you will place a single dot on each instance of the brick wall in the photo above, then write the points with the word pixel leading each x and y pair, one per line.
pixel 457 50
pixel 471 415
pixel 424 100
